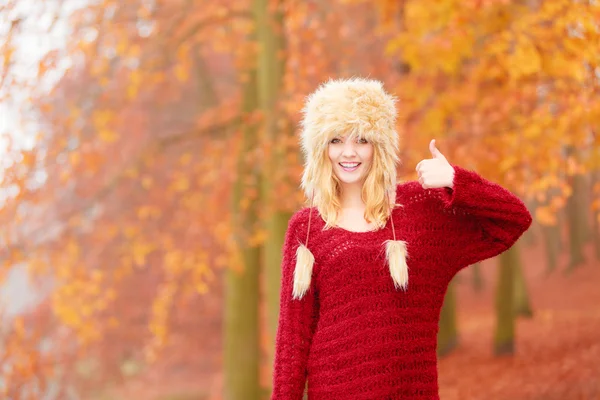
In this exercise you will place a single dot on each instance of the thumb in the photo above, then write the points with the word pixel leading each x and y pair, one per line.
pixel 435 153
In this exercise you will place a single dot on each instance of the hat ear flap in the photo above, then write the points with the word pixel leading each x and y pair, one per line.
pixel 396 254
pixel 303 271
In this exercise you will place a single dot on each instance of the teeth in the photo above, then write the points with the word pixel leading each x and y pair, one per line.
pixel 349 165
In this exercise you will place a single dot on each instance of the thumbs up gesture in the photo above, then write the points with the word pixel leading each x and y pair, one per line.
pixel 435 172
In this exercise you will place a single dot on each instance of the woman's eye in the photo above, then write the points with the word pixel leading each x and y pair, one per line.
pixel 362 141
pixel 335 140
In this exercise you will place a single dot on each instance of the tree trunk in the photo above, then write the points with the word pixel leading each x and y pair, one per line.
pixel 505 318
pixel 206 85
pixel 241 353
pixel 596 214
pixel 530 237
pixel 522 307
pixel 448 333
pixel 241 343
pixel 576 225
pixel 596 234
pixel 551 245
pixel 577 220
pixel 271 44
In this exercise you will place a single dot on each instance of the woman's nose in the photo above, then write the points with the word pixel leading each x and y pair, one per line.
pixel 349 148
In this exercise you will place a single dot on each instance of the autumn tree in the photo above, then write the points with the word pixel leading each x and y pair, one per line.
pixel 508 85
pixel 137 145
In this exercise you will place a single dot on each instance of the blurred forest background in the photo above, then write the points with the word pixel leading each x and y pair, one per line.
pixel 150 163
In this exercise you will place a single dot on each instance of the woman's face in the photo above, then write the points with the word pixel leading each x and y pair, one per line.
pixel 350 159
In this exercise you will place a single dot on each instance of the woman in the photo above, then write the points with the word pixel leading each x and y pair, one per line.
pixel 366 266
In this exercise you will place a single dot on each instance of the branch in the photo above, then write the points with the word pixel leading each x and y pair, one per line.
pixel 213 131
pixel 153 148
pixel 220 19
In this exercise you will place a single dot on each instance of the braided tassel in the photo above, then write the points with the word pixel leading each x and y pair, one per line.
pixel 304 262
pixel 396 254
pixel 303 271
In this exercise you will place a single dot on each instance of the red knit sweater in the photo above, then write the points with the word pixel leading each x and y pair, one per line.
pixel 353 336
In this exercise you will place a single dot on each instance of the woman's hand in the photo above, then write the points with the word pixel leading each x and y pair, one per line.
pixel 435 172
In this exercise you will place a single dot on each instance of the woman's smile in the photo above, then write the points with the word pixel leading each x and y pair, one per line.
pixel 350 166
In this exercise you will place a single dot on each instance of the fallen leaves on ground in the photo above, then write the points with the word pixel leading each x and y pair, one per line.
pixel 557 352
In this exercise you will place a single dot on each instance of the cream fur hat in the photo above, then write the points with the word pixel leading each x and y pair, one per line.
pixel 360 107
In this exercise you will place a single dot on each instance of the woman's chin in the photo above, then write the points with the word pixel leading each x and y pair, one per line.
pixel 350 180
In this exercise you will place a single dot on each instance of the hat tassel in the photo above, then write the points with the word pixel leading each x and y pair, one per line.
pixel 303 272
pixel 396 255
pixel 305 261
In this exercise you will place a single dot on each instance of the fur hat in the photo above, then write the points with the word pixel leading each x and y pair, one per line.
pixel 356 107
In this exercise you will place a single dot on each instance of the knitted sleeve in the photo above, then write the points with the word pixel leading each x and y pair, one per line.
pixel 297 320
pixel 483 219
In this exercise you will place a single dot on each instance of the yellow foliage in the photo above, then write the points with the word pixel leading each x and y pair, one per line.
pixel 122 46
pixel 147 182
pixel 173 261
pixel 258 238
pixel 566 190
pixel 75 158
pixel 97 275
pixel 7 53
pixel 130 231
pixel 110 294
pixel 221 260
pixel 92 289
pixel 148 212
pixel 65 176
pixel 524 60
pixel 244 203
pixel 108 135
pixel 201 287
pixel 131 172
pixel 557 203
pixel 180 184
pixel 135 81
pixel 19 327
pixel 63 271
pixel 66 312
pixel 532 131
pixel 72 249
pixel 37 266
pixel 508 163
pixel 434 122
pixel 102 118
pixel 139 251
pixel 545 216
pixel 86 310
pixel 134 51
pixel 181 72
pixel 562 65
pixel 185 158
pixel 160 311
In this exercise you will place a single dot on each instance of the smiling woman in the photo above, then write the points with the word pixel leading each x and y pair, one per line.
pixel 358 316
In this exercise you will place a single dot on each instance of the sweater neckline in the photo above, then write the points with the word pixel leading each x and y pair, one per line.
pixel 348 232
pixel 361 234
